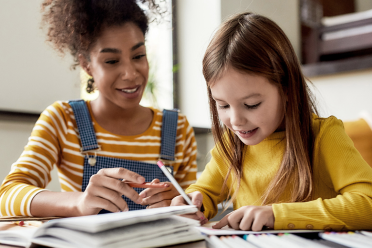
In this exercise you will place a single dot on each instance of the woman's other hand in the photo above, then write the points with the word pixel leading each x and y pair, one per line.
pixel 104 191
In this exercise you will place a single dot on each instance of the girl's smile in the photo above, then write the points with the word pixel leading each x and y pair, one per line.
pixel 246 134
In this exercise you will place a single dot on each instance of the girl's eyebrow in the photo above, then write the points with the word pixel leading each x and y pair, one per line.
pixel 252 95
pixel 246 97
pixel 115 50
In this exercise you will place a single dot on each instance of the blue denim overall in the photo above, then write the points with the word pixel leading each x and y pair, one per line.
pixel 93 163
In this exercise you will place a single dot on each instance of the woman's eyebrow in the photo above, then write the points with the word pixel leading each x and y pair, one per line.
pixel 115 50
pixel 110 50
pixel 139 44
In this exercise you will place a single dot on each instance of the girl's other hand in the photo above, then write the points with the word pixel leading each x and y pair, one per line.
pixel 197 199
pixel 104 191
pixel 158 197
pixel 248 218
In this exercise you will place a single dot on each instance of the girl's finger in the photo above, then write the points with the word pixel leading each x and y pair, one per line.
pixel 247 222
pixel 258 222
pixel 223 222
pixel 161 204
pixel 235 218
pixel 178 201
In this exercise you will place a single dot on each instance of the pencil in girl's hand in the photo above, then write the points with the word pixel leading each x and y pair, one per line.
pixel 174 182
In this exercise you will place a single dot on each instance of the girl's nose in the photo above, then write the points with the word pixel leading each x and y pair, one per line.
pixel 237 119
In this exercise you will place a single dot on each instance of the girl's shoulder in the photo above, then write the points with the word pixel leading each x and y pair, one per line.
pixel 322 125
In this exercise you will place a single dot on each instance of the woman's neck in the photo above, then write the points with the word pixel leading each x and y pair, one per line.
pixel 121 121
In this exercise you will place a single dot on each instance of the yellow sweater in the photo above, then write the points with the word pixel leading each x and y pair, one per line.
pixel 342 197
pixel 54 142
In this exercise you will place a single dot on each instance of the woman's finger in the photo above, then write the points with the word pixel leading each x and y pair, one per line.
pixel 121 173
pixel 152 191
pixel 97 204
pixel 115 185
pixel 105 193
pixel 161 196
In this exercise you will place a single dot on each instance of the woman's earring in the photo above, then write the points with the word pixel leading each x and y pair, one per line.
pixel 90 86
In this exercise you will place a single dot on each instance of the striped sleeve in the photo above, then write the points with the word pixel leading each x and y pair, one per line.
pixel 186 174
pixel 30 174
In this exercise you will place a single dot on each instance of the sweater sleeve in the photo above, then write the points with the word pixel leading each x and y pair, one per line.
pixel 340 167
pixel 209 184
pixel 30 174
pixel 186 174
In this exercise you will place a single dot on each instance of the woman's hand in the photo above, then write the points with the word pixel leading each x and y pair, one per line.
pixel 104 191
pixel 159 197
pixel 249 218
pixel 197 199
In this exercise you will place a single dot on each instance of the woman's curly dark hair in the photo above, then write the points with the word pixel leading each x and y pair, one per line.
pixel 73 25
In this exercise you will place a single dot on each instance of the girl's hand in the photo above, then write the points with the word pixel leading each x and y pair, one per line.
pixel 248 218
pixel 197 199
pixel 104 191
pixel 158 197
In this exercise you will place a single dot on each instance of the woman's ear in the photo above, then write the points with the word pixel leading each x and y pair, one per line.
pixel 85 64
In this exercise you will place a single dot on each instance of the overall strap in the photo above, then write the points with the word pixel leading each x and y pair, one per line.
pixel 85 127
pixel 168 134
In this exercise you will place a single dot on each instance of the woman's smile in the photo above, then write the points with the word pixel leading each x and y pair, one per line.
pixel 131 92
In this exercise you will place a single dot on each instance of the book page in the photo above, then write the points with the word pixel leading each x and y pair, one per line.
pixel 132 233
pixel 229 231
pixel 19 237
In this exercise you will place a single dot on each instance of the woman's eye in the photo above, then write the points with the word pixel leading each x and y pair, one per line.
pixel 252 106
pixel 111 62
pixel 139 56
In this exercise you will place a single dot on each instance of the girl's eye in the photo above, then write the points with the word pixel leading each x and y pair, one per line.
pixel 139 56
pixel 111 62
pixel 253 106
pixel 223 107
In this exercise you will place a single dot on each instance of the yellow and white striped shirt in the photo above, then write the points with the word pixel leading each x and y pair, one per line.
pixel 55 141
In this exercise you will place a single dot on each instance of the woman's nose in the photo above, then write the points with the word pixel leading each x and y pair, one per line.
pixel 129 72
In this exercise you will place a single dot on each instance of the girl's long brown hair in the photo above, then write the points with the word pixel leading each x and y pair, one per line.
pixel 254 44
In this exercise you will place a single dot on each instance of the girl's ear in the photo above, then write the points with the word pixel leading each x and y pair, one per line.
pixel 84 63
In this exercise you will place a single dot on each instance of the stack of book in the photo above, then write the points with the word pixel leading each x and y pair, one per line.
pixel 142 228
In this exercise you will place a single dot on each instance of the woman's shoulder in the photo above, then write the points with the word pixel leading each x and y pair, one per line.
pixel 158 114
pixel 59 110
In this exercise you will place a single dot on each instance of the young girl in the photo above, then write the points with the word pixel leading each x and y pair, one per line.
pixel 100 146
pixel 281 165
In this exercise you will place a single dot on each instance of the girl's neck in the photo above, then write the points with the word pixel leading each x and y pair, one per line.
pixel 121 121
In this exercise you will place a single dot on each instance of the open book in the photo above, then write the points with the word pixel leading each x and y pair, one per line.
pixel 141 228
